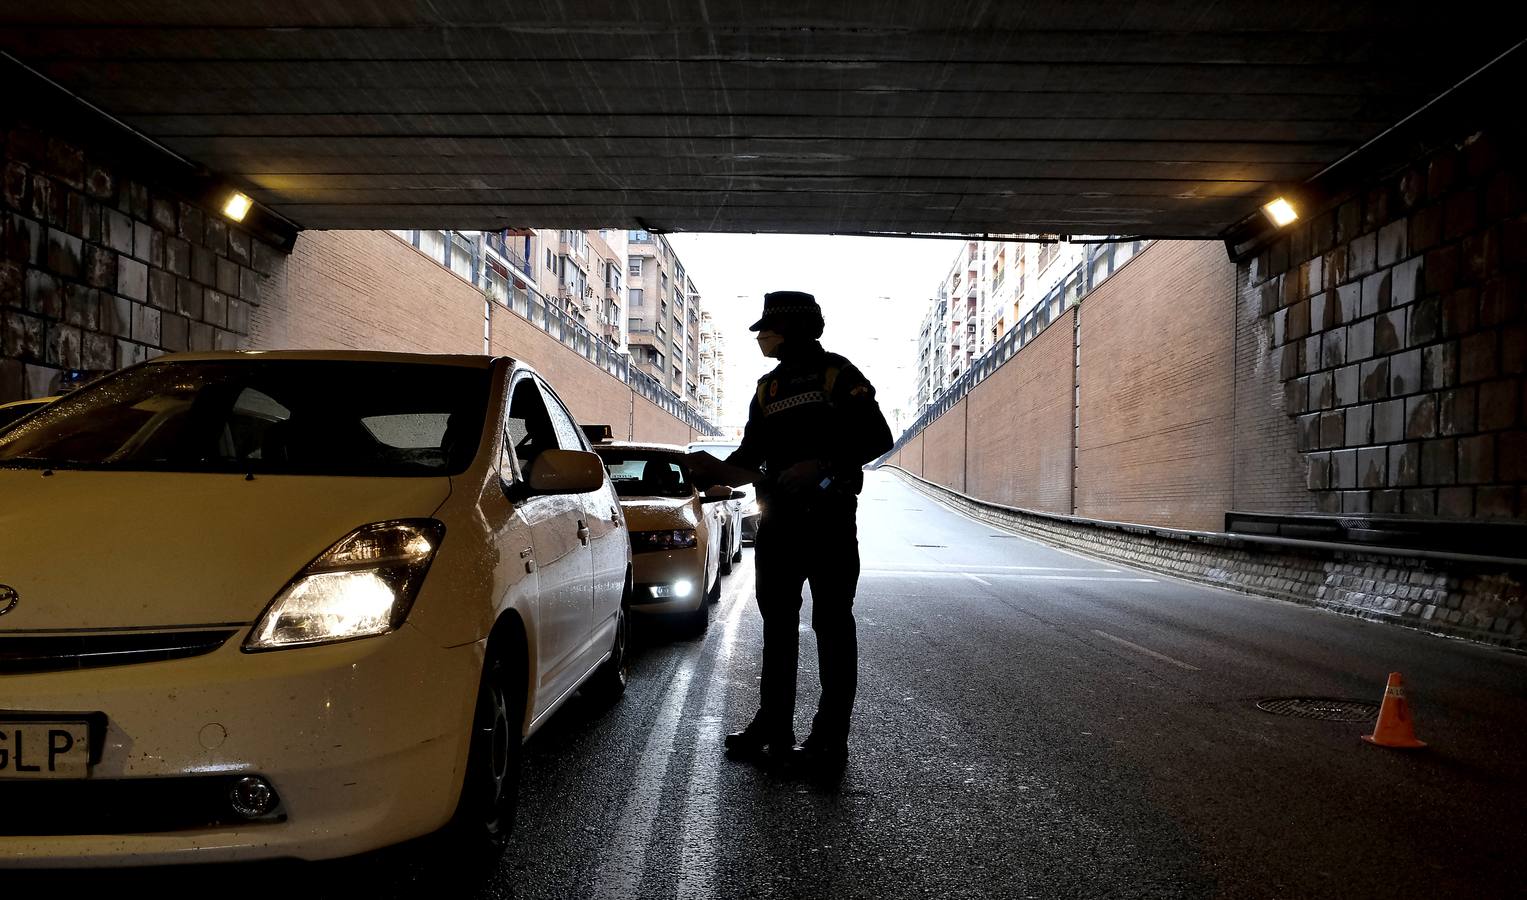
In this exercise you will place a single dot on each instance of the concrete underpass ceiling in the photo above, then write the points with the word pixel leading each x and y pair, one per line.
pixel 1154 118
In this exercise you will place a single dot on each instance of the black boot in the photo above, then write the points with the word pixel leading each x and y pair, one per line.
pixel 757 741
pixel 821 755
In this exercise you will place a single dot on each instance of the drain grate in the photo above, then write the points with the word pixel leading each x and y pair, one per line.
pixel 1329 709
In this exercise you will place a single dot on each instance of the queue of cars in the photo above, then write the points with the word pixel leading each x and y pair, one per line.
pixel 682 537
pixel 745 508
pixel 312 603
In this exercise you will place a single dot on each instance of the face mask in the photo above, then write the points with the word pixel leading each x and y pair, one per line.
pixel 768 343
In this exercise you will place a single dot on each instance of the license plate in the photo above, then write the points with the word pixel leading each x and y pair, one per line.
pixel 44 749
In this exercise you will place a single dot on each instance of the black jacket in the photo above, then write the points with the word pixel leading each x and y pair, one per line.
pixel 814 405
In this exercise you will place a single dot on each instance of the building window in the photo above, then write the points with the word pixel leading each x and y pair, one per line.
pixel 636 297
pixel 635 267
pixel 1047 254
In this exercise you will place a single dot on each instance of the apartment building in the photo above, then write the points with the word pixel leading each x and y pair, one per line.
pixel 711 400
pixel 665 314
pixel 995 286
pixel 573 286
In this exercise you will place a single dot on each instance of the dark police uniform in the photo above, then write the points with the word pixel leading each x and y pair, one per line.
pixel 814 406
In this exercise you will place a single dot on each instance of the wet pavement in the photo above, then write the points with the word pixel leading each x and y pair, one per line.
pixel 1030 723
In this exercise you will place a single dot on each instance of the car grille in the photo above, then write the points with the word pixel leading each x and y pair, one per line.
pixel 24 654
pixel 121 806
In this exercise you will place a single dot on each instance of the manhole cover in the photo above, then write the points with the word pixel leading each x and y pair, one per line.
pixel 1328 709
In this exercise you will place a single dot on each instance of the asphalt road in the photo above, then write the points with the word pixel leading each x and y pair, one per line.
pixel 1030 723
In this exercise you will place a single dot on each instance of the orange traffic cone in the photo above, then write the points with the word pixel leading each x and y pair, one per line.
pixel 1395 728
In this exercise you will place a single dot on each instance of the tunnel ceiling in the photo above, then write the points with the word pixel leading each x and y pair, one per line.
pixel 1153 118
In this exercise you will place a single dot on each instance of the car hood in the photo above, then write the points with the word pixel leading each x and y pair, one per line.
pixel 658 513
pixel 102 550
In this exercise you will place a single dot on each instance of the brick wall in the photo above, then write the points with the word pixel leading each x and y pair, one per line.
pixel 910 456
pixel 944 448
pixel 1395 327
pixel 1019 452
pixel 367 290
pixel 1156 390
pixel 651 423
pixel 102 267
pixel 1269 470
pixel 370 290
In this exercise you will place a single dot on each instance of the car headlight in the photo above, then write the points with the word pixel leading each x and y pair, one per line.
pixel 674 539
pixel 360 587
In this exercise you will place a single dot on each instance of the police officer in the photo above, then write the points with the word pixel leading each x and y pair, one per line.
pixel 812 425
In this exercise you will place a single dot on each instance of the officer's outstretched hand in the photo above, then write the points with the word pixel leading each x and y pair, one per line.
pixel 802 476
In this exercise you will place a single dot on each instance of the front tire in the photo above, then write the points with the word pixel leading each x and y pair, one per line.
pixel 484 816
pixel 726 552
pixel 609 681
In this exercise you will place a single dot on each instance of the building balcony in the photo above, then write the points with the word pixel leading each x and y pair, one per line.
pixel 497 244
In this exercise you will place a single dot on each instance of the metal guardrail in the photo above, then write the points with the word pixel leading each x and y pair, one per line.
pixel 1467 537
pixel 1029 327
pixel 1069 291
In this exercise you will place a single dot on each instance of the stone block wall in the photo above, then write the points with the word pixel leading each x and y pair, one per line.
pixel 1395 327
pixel 102 267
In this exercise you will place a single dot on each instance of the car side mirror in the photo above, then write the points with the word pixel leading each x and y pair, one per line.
pixel 738 495
pixel 556 471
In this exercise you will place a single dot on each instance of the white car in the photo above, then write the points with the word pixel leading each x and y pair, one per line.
pixel 677 532
pixel 293 604
pixel 745 510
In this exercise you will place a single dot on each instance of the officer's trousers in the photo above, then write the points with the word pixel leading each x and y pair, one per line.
pixel 791 549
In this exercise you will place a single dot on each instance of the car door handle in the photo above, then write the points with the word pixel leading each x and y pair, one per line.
pixel 583 532
pixel 530 564
pixel 614 516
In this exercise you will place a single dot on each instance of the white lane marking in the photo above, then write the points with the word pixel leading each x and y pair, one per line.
pixel 625 859
pixel 702 796
pixel 903 573
pixel 977 579
pixel 1147 651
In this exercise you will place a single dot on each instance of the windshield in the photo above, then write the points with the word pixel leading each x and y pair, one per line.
pixel 647 474
pixel 271 416
pixel 11 413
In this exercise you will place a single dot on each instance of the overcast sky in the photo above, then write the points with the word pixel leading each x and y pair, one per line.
pixel 873 292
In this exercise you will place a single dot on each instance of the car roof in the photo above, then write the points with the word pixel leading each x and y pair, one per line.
pixel 475 361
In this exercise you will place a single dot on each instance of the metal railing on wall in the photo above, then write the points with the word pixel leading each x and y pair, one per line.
pixel 1068 292
pixel 565 329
